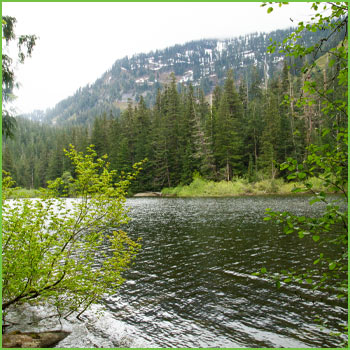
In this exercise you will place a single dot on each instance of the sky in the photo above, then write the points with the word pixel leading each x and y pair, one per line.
pixel 79 41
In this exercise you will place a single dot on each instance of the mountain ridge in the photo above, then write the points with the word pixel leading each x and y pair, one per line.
pixel 203 63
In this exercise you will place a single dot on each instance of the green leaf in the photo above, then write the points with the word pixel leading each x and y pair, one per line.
pixel 270 9
pixel 287 230
pixel 316 238
pixel 46 231
pixel 314 201
pixel 331 63
pixel 297 190
pixel 263 270
pixel 284 166
pixel 332 265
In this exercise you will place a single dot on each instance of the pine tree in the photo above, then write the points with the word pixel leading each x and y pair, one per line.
pixel 55 165
pixel 187 130
pixel 253 124
pixel 269 139
pixel 173 122
pixel 99 135
pixel 204 144
pixel 143 145
pixel 285 145
pixel 229 141
pixel 159 143
pixel 7 162
pixel 127 137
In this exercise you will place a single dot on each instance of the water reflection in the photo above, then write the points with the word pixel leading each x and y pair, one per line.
pixel 192 285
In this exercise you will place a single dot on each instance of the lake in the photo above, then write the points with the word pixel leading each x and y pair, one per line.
pixel 192 283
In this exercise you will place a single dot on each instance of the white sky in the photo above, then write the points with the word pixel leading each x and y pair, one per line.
pixel 80 41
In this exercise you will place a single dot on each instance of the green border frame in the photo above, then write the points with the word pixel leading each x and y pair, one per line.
pixel 154 1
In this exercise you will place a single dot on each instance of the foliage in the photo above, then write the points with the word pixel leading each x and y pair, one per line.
pixel 250 123
pixel 67 252
pixel 327 161
pixel 25 44
pixel 25 193
pixel 330 167
pixel 200 187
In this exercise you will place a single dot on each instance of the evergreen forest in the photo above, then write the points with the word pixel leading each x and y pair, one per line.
pixel 243 129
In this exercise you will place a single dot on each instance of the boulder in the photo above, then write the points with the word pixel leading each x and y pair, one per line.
pixel 32 340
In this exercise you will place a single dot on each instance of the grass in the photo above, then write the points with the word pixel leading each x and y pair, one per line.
pixel 25 193
pixel 238 187
pixel 204 188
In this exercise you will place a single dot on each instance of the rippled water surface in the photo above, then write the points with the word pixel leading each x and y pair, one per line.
pixel 192 283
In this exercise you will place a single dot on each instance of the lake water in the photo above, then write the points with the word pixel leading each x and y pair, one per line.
pixel 192 283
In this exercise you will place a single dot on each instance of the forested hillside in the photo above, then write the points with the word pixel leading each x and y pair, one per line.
pixel 188 112
pixel 245 132
pixel 203 63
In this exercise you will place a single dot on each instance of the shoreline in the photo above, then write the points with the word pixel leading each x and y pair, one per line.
pixel 241 187
pixel 144 195
pixel 201 188
pixel 46 339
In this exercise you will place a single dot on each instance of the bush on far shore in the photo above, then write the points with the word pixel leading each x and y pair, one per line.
pixel 20 192
pixel 200 187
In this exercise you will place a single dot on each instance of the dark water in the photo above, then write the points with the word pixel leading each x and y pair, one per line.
pixel 192 284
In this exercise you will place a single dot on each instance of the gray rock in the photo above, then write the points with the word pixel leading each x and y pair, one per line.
pixel 32 340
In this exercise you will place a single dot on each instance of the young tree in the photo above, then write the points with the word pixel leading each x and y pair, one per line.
pixel 67 253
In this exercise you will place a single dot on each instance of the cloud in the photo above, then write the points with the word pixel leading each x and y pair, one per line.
pixel 80 41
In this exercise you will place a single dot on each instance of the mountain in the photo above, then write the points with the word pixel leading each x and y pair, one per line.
pixel 202 63
pixel 245 127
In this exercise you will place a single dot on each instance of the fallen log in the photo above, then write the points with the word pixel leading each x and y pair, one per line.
pixel 148 194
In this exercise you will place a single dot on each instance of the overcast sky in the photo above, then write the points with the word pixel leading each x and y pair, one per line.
pixel 78 42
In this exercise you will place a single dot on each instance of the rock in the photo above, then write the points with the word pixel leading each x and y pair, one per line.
pixel 148 194
pixel 32 340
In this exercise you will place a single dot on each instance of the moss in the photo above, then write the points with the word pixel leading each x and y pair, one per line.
pixel 34 335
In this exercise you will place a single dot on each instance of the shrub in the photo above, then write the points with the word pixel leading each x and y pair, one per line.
pixel 53 252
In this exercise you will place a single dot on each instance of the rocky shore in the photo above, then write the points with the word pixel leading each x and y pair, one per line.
pixel 18 339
